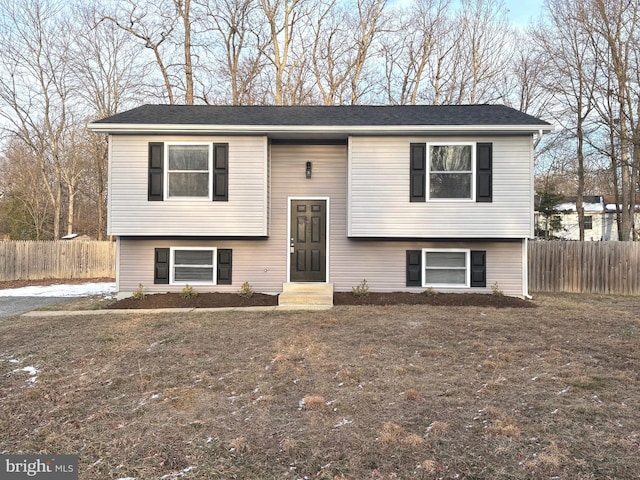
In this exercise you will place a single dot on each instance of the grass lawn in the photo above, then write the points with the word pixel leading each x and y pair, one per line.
pixel 352 393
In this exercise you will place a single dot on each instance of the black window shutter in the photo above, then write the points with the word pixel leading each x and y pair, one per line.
pixel 156 165
pixel 220 172
pixel 161 268
pixel 478 268
pixel 418 161
pixel 484 173
pixel 224 266
pixel 414 268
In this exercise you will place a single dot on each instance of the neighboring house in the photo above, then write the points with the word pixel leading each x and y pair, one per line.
pixel 599 218
pixel 406 197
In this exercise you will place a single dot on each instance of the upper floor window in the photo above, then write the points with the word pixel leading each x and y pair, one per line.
pixel 458 171
pixel 451 171
pixel 189 171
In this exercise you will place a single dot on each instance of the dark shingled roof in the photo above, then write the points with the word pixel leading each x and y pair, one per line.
pixel 348 116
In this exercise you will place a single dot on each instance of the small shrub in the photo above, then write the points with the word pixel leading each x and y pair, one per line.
pixel 239 445
pixel 412 395
pixel 188 292
pixel 361 290
pixel 246 290
pixel 139 293
pixel 430 292
pixel 391 432
pixel 413 440
pixel 437 428
pixel 496 290
pixel 313 402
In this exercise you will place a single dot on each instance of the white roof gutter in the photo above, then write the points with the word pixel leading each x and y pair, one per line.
pixel 316 129
pixel 541 133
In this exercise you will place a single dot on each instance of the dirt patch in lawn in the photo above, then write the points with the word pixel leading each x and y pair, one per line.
pixel 366 392
pixel 214 300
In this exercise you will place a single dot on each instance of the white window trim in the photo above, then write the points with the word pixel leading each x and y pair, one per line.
pixel 165 169
pixel 473 171
pixel 467 262
pixel 172 265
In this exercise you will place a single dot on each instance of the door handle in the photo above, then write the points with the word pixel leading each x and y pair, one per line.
pixel 292 246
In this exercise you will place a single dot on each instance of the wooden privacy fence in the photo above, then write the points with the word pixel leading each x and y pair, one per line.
pixel 585 267
pixel 32 260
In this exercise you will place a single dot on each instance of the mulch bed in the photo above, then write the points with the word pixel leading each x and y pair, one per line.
pixel 214 300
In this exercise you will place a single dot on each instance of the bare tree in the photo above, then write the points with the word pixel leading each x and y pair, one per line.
pixel 183 8
pixel 526 80
pixel 612 26
pixel 107 81
pixel 483 47
pixel 233 24
pixel 409 47
pixel 24 203
pixel 329 52
pixel 34 87
pixel 368 25
pixel 153 27
pixel 282 18
pixel 570 64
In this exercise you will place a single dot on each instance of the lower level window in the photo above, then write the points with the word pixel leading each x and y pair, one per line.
pixel 193 266
pixel 446 268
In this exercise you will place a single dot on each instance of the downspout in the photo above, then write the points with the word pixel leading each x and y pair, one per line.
pixel 525 244
pixel 525 269
pixel 540 135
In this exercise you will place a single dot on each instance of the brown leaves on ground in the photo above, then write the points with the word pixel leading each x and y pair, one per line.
pixel 353 393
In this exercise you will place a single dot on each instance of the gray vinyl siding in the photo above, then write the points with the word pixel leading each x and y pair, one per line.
pixel 382 264
pixel 379 203
pixel 130 212
pixel 263 263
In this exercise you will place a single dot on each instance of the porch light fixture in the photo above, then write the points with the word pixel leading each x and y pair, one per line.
pixel 308 170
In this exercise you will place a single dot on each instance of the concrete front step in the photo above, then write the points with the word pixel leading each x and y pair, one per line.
pixel 301 294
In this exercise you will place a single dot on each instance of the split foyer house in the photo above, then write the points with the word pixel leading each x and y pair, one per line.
pixel 406 197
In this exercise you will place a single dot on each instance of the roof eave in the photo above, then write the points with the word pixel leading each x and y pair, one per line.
pixel 131 128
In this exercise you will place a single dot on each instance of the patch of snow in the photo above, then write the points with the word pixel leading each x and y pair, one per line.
pixel 588 207
pixel 30 370
pixel 342 423
pixel 13 360
pixel 81 290
pixel 178 474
